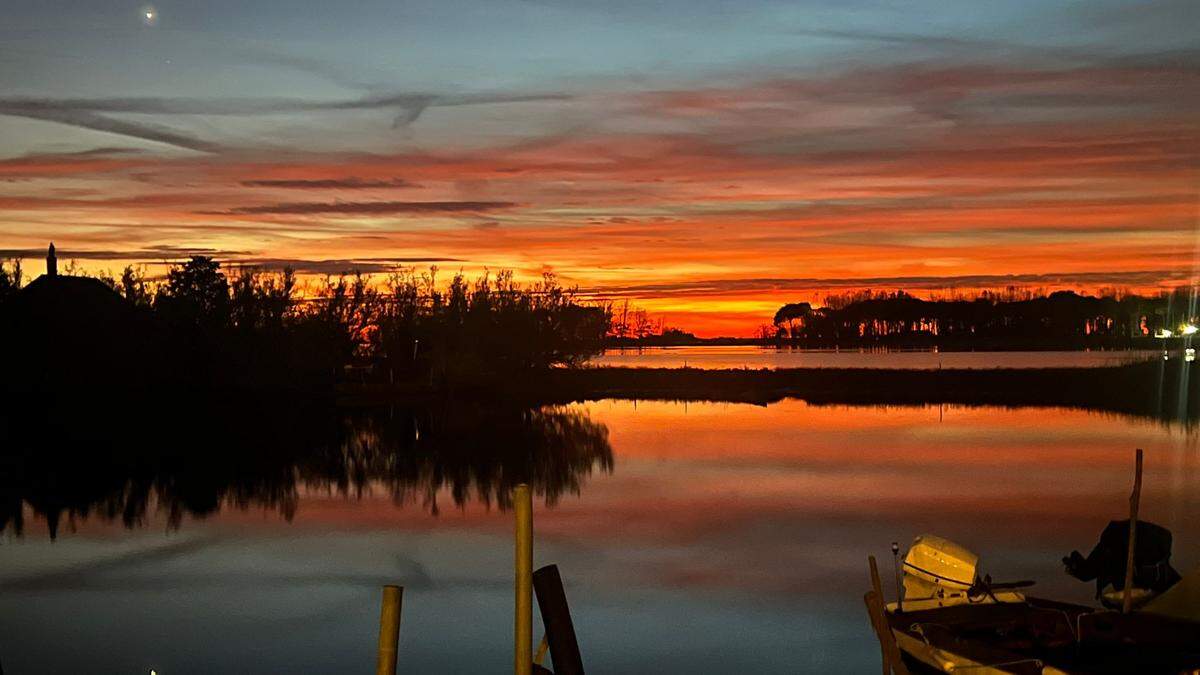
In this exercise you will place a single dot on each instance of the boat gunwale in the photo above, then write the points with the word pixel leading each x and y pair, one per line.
pixel 945 649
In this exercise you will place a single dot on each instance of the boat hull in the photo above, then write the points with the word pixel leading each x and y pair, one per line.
pixel 1041 637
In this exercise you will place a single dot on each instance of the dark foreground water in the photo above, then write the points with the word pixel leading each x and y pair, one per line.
pixel 694 538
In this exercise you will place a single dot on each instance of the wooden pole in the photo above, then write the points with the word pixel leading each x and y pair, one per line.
pixel 523 564
pixel 892 660
pixel 389 630
pixel 1127 601
pixel 876 585
pixel 877 588
pixel 556 615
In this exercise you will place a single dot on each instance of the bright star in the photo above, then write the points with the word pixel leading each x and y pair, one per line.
pixel 149 15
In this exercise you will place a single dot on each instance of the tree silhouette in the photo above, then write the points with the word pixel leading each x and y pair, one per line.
pixel 1011 318
pixel 790 318
pixel 11 278
pixel 196 295
pixel 208 328
pixel 132 286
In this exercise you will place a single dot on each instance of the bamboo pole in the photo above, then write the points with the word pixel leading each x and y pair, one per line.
pixel 523 564
pixel 1127 601
pixel 389 630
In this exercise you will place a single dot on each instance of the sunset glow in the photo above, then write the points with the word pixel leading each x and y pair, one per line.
pixel 673 336
pixel 790 153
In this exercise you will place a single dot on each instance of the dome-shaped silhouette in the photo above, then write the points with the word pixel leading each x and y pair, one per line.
pixel 67 332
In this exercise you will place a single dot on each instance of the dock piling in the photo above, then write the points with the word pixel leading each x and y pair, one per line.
pixel 1134 498
pixel 389 630
pixel 893 662
pixel 556 615
pixel 877 589
pixel 523 564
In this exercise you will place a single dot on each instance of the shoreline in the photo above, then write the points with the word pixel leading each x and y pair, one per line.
pixel 1141 343
pixel 1157 389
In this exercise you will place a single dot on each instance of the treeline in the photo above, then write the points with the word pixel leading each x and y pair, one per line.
pixel 990 320
pixel 246 327
pixel 633 327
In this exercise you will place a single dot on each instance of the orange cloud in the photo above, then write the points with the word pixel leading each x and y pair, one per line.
pixel 1060 175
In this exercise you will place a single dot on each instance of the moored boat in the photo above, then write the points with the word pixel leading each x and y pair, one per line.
pixel 949 619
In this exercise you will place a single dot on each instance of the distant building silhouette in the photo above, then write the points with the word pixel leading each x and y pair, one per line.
pixel 75 333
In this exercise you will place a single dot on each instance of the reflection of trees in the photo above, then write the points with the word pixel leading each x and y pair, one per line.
pixel 467 448
pixel 261 456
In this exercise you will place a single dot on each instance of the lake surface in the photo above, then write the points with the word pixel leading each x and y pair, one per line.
pixel 748 356
pixel 693 537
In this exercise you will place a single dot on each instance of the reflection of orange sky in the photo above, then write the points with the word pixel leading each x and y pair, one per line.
pixel 707 215
pixel 786 498
pixel 688 471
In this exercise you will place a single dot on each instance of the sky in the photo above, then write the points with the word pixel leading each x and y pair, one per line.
pixel 708 160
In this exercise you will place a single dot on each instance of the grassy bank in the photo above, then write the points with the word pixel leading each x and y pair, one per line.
pixel 1152 389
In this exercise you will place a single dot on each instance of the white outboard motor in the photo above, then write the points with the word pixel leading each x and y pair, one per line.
pixel 938 570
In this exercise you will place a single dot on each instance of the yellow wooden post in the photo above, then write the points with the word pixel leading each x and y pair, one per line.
pixel 523 629
pixel 389 630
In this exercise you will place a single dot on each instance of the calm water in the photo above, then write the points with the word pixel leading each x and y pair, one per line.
pixel 745 356
pixel 694 538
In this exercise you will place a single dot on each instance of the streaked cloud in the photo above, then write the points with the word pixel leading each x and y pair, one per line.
pixel 150 253
pixel 85 119
pixel 909 156
pixel 329 183
pixel 340 266
pixel 370 208
pixel 710 287
pixel 97 114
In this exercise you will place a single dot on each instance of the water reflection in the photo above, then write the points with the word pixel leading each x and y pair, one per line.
pixel 716 357
pixel 732 539
pixel 75 462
